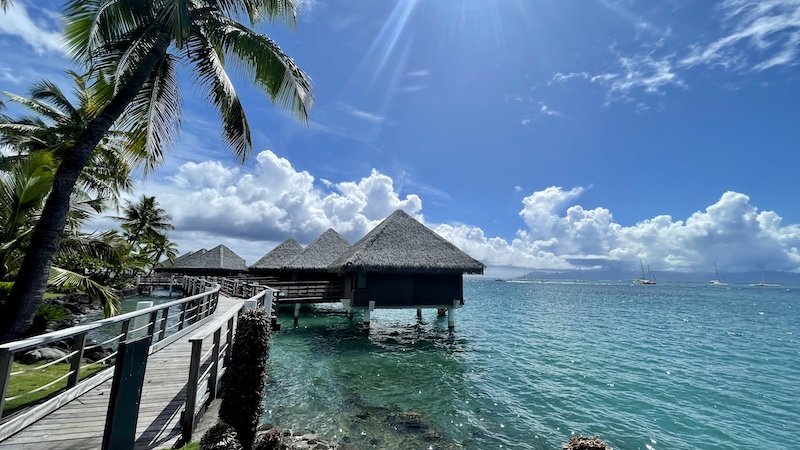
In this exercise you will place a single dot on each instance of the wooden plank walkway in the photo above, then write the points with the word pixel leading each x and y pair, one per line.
pixel 79 424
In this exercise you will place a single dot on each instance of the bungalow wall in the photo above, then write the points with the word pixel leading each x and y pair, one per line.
pixel 404 290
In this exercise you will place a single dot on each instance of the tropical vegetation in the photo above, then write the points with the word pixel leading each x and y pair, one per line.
pixel 130 49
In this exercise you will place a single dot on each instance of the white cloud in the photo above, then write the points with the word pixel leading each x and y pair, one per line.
pixel 547 111
pixel 559 232
pixel 251 210
pixel 525 122
pixel 364 115
pixel 272 202
pixel 769 29
pixel 38 32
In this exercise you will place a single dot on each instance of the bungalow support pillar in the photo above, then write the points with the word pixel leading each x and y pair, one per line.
pixel 171 282
pixel 419 313
pixel 296 313
pixel 367 313
pixel 451 312
pixel 348 307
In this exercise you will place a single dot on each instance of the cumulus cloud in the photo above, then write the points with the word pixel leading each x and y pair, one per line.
pixel 560 233
pixel 253 210
pixel 273 202
pixel 37 30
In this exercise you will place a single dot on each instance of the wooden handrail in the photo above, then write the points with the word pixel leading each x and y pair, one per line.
pixel 216 359
pixel 156 326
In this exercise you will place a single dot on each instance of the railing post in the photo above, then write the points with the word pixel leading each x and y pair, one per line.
pixel 151 330
pixel 183 316
pixel 229 341
pixel 212 378
pixel 187 419
pixel 164 319
pixel 75 361
pixel 6 360
pixel 126 325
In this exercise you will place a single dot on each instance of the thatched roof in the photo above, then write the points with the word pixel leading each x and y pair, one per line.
pixel 320 253
pixel 402 244
pixel 167 264
pixel 218 258
pixel 279 255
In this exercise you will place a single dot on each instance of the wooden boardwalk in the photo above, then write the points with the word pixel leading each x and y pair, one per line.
pixel 79 424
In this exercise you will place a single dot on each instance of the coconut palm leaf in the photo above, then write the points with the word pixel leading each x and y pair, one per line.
pixel 65 279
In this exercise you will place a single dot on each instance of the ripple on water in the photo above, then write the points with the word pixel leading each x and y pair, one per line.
pixel 667 366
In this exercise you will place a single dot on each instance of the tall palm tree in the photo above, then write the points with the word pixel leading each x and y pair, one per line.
pixel 54 124
pixel 144 220
pixel 137 44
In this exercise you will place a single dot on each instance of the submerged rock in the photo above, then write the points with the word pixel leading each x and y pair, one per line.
pixel 585 443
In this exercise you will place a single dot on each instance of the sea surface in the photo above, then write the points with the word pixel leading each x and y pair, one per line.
pixel 670 366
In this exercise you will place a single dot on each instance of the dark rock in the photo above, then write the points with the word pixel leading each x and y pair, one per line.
pixel 408 422
pixel 45 354
pixel 585 443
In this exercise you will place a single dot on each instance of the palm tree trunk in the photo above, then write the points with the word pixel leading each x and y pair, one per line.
pixel 26 295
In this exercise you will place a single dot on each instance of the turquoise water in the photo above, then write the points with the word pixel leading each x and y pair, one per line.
pixel 669 366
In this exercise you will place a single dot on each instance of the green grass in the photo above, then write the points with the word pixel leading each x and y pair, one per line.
pixel 28 381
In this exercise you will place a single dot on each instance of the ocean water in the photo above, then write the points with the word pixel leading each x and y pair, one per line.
pixel 671 366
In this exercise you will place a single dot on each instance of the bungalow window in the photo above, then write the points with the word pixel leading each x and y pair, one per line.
pixel 361 280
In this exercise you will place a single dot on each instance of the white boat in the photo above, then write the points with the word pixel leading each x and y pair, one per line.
pixel 765 284
pixel 647 277
pixel 720 280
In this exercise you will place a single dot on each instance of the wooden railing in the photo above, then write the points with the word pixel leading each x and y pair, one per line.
pixel 308 291
pixel 163 323
pixel 206 368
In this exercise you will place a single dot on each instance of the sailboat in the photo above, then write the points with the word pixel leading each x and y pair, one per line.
pixel 764 283
pixel 720 280
pixel 647 277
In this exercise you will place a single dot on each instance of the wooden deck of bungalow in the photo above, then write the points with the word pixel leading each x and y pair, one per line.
pixel 79 422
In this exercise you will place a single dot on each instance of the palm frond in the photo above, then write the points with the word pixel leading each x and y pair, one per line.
pixel 153 117
pixel 209 65
pixel 65 279
pixel 93 24
pixel 263 60
pixel 46 90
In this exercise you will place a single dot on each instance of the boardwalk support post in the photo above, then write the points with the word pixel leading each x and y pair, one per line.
pixel 187 418
pixel 296 313
pixel 419 313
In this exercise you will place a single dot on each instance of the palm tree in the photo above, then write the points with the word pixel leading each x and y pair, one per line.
pixel 137 44
pixel 23 189
pixel 56 123
pixel 143 220
pixel 157 246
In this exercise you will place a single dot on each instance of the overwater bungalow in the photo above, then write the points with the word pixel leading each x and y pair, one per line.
pixel 270 266
pixel 219 261
pixel 402 263
pixel 314 261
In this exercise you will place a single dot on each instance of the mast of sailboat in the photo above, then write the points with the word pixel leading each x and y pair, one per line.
pixel 650 274
pixel 719 275
pixel 644 275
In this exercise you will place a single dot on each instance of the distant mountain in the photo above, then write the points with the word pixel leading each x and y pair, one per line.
pixel 699 277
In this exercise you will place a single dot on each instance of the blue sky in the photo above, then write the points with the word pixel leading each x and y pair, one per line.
pixel 535 134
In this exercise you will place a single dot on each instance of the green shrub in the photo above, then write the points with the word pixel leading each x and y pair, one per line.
pixel 241 405
pixel 53 313
pixel 220 437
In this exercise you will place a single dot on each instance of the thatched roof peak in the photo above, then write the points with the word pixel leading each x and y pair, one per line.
pixel 402 244
pixel 278 256
pixel 219 258
pixel 320 253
